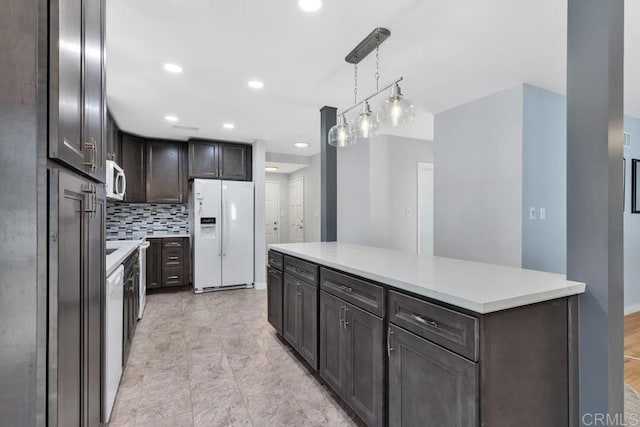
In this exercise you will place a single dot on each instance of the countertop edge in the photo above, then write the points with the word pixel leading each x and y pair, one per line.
pixel 575 288
pixel 121 258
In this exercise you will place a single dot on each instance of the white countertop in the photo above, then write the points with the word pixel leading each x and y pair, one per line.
pixel 482 288
pixel 124 249
pixel 164 236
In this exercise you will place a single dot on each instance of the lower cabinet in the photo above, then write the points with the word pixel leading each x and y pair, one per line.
pixel 274 298
pixel 167 262
pixel 154 261
pixel 352 356
pixel 300 323
pixel 131 303
pixel 428 385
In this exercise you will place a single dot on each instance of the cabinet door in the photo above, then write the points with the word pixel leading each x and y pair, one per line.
pixel 113 140
pixel 93 88
pixel 126 324
pixel 133 157
pixel 203 159
pixel 154 254
pixel 164 172
pixel 290 324
pixel 68 237
pixel 234 161
pixel 94 301
pixel 65 91
pixel 364 363
pixel 308 323
pixel 274 298
pixel 429 385
pixel 332 343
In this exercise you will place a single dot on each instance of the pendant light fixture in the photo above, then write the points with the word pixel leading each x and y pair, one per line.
pixel 396 109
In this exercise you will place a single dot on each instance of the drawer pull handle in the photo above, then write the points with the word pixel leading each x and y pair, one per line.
pixel 173 258
pixel 345 323
pixel 172 277
pixel 174 244
pixel 342 307
pixel 346 288
pixel 424 321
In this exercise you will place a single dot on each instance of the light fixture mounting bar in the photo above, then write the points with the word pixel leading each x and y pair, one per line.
pixel 398 80
pixel 368 45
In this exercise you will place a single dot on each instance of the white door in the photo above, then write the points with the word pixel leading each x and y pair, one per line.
pixel 425 208
pixel 272 212
pixel 296 210
pixel 237 233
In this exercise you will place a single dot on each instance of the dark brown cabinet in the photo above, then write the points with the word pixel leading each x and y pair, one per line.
pixel 167 262
pixel 274 297
pixel 220 160
pixel 429 385
pixel 76 86
pixel 164 172
pixel 131 303
pixel 76 293
pixel 300 326
pixel 133 164
pixel 114 140
pixel 352 356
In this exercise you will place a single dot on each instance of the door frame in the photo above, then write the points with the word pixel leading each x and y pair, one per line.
pixel 270 181
pixel 418 212
pixel 291 181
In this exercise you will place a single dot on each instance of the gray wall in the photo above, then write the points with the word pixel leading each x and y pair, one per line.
pixel 544 161
pixel 311 175
pixel 478 180
pixel 283 185
pixel 377 184
pixel 631 224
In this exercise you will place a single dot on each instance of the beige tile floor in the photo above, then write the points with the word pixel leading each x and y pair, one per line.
pixel 213 360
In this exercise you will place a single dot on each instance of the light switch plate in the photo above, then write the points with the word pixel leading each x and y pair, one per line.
pixel 532 213
pixel 543 213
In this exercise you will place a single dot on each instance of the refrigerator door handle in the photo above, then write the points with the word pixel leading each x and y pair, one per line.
pixel 220 229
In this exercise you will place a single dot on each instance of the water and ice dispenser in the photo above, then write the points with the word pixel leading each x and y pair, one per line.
pixel 208 228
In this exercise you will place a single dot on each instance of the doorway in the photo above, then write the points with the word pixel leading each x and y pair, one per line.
pixel 296 210
pixel 272 212
pixel 425 208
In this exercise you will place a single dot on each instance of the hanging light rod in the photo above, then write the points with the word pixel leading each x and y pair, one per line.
pixel 398 80
pixel 368 45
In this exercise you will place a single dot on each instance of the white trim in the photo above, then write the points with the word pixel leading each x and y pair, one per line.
pixel 631 309
pixel 278 217
pixel 260 285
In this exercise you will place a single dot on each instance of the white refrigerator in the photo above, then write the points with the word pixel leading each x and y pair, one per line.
pixel 221 214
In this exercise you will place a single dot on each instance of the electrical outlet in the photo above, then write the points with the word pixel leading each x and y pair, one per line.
pixel 532 213
pixel 408 212
pixel 543 213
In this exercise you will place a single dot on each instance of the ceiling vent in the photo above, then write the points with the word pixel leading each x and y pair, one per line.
pixel 627 140
pixel 181 127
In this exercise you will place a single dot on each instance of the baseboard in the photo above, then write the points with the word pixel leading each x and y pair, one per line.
pixel 263 285
pixel 632 309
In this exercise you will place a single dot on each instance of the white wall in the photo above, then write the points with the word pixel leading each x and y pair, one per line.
pixel 260 254
pixel 478 180
pixel 311 175
pixel 283 184
pixel 377 183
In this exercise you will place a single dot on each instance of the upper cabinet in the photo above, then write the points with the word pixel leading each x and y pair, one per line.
pixel 114 140
pixel 220 160
pixel 133 160
pixel 165 179
pixel 76 101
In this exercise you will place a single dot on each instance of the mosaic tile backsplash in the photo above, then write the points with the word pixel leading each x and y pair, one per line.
pixel 141 219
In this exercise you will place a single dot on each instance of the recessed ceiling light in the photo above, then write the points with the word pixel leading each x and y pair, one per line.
pixel 310 5
pixel 228 126
pixel 271 169
pixel 172 68
pixel 301 145
pixel 171 118
pixel 256 84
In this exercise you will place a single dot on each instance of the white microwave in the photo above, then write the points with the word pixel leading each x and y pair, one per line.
pixel 116 184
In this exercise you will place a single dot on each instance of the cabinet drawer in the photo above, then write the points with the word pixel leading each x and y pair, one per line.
pixel 451 329
pixel 360 293
pixel 172 276
pixel 275 260
pixel 172 258
pixel 176 242
pixel 301 269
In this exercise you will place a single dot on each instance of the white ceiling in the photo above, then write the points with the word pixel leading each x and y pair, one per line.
pixel 449 52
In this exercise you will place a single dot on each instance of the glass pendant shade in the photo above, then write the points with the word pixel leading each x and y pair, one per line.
pixel 397 109
pixel 366 123
pixel 340 134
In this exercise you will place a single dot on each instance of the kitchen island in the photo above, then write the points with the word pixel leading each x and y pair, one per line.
pixel 410 340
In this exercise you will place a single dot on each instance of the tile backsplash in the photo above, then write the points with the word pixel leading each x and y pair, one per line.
pixel 142 219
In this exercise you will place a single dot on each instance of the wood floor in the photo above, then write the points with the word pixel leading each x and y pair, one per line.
pixel 632 350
